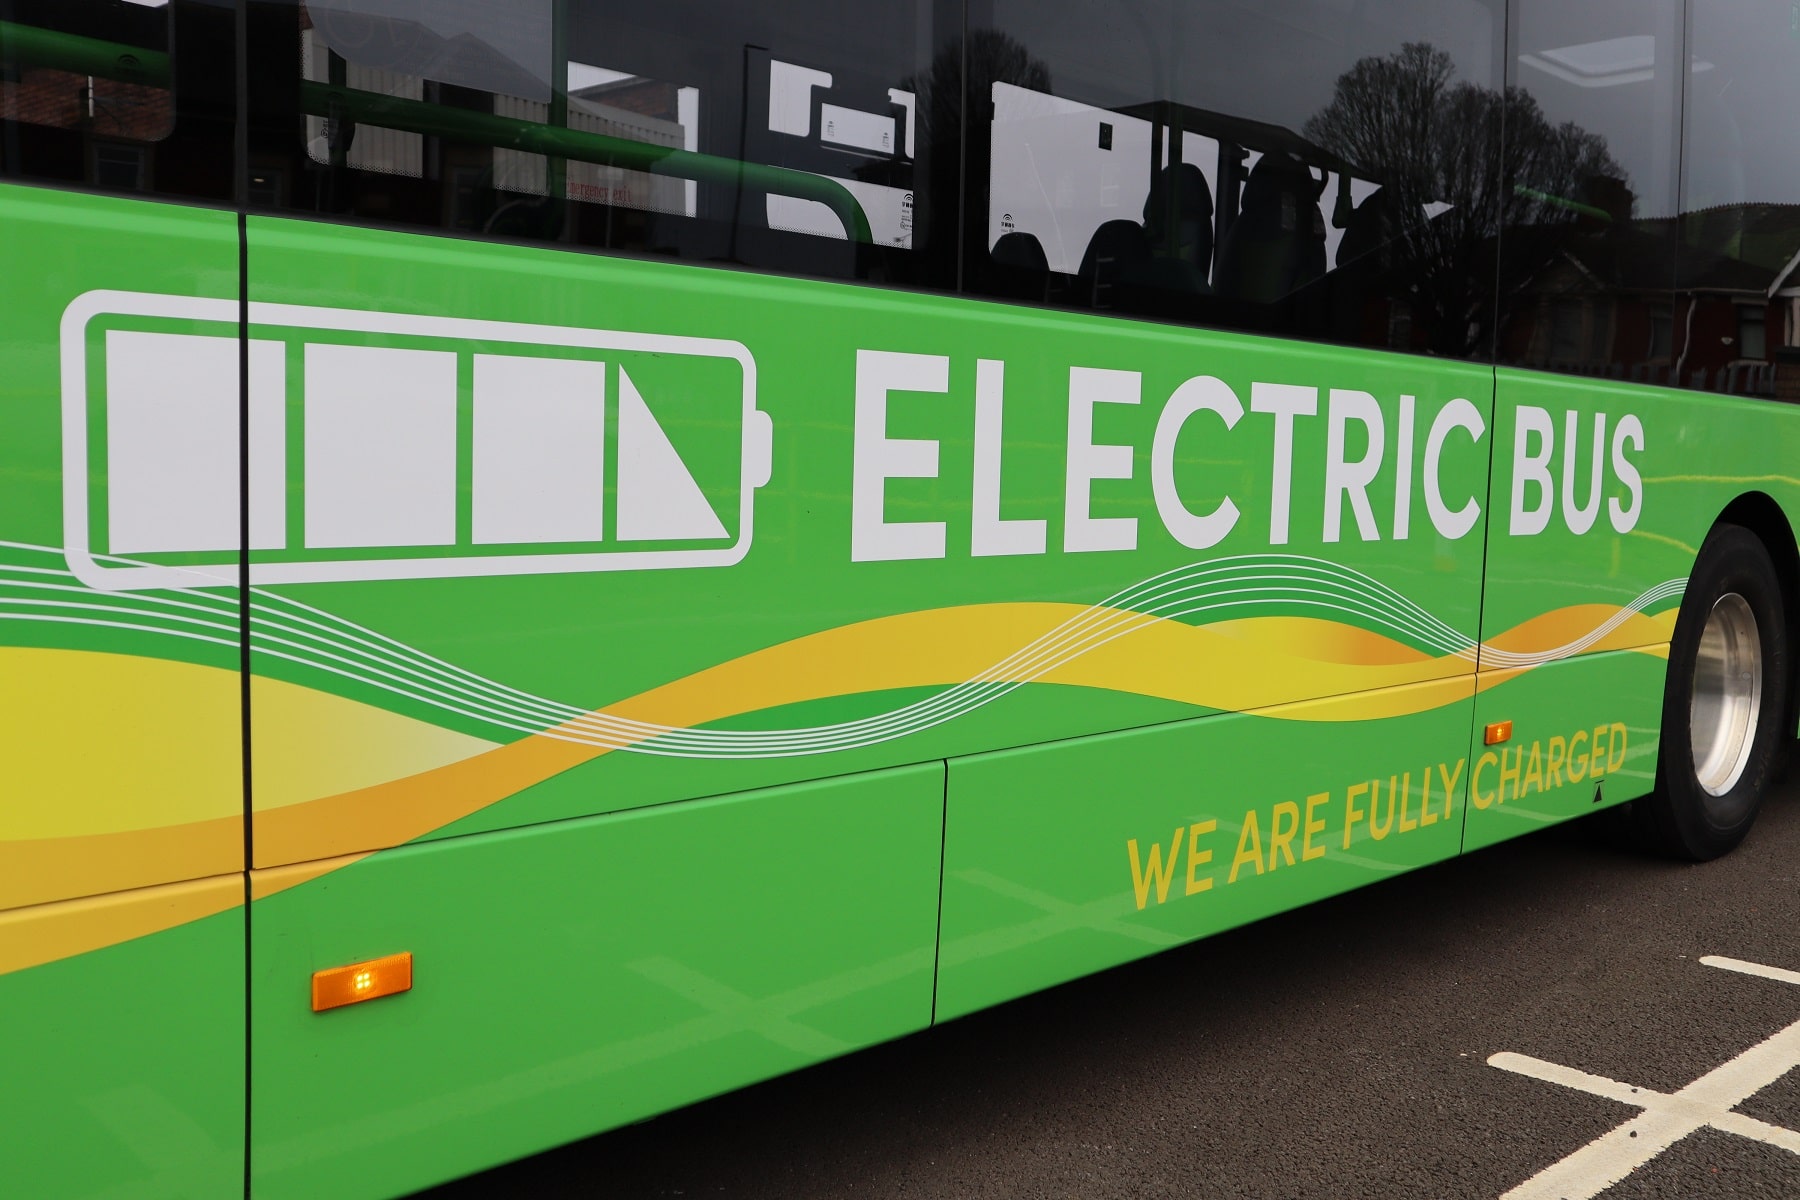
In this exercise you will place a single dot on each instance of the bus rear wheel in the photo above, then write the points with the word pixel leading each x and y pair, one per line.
pixel 1724 704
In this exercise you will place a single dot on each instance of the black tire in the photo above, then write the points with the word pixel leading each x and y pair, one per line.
pixel 1683 817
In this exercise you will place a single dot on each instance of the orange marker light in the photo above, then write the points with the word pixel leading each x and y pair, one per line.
pixel 1499 731
pixel 361 981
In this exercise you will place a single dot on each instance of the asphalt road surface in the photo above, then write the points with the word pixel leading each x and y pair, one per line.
pixel 1340 1051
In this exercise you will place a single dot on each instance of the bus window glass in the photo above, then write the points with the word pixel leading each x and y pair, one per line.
pixel 395 48
pixel 1737 299
pixel 788 138
pixel 1589 237
pixel 1143 157
pixel 92 94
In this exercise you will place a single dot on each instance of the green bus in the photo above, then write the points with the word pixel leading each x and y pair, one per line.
pixel 686 539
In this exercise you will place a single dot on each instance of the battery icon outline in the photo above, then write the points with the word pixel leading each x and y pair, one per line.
pixel 110 572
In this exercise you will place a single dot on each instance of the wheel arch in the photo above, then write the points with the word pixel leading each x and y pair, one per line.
pixel 1761 515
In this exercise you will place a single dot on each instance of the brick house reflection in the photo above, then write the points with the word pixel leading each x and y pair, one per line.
pixel 1709 300
pixel 101 131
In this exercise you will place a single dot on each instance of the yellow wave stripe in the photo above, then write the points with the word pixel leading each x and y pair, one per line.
pixel 126 772
pixel 366 744
pixel 1237 665
pixel 1233 665
pixel 266 881
pixel 390 779
pixel 100 743
pixel 120 772
pixel 1246 665
pixel 1561 626
pixel 39 870
pixel 33 936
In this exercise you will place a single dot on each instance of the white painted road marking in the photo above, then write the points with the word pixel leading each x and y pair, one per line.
pixel 1666 1118
pixel 1750 968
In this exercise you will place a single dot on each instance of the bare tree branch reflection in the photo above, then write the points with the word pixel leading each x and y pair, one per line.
pixel 988 56
pixel 1456 163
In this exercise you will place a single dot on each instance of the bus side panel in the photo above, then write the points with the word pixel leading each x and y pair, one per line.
pixel 121 767
pixel 1583 737
pixel 583 974
pixel 1601 495
pixel 120 714
pixel 1064 859
pixel 123 1066
pixel 799 530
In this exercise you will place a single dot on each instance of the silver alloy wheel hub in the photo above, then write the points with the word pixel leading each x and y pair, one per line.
pixel 1727 696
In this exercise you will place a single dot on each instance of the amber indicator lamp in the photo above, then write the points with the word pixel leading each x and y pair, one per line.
pixel 338 986
pixel 1499 731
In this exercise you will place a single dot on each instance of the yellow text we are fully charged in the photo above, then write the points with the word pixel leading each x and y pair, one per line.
pixel 1514 772
pixel 1291 833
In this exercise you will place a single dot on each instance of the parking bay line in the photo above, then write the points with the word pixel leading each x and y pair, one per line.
pixel 1750 968
pixel 1666 1117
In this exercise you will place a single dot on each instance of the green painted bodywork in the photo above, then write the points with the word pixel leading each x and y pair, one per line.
pixel 124 1068
pixel 1048 850
pixel 1617 695
pixel 587 974
pixel 593 639
pixel 57 246
pixel 122 1071
pixel 1702 452
pixel 631 932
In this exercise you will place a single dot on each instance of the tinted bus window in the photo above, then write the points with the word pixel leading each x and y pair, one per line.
pixel 1589 242
pixel 118 95
pixel 1304 168
pixel 1736 316
pixel 789 137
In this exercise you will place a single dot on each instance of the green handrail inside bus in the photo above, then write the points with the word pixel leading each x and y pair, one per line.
pixel 111 60
pixel 1574 206
pixel 72 52
pixel 460 124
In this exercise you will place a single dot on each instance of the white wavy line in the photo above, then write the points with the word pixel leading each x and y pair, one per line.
pixel 958 699
pixel 1020 668
pixel 142 602
pixel 52 619
pixel 897 723
pixel 1662 591
pixel 536 708
pixel 1100 620
pixel 310 637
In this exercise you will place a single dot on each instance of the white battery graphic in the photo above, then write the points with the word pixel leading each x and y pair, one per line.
pixel 385 445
